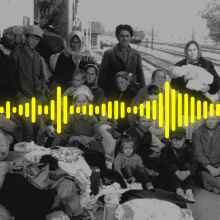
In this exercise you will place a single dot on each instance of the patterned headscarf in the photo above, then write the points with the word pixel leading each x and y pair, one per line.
pixel 188 59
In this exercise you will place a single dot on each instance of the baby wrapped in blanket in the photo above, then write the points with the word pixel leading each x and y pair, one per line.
pixel 200 80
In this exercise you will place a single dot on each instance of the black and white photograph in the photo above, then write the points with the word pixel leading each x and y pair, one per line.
pixel 109 110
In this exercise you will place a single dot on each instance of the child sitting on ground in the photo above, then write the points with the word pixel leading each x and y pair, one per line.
pixel 129 164
pixel 178 165
pixel 78 79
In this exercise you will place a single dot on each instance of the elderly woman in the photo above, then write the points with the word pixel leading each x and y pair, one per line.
pixel 193 56
pixel 120 58
pixel 72 58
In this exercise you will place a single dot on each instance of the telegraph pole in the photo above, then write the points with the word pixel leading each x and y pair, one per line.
pixel 152 37
pixel 69 17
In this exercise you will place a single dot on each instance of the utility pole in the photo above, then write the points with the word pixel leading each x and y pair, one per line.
pixel 69 17
pixel 193 33
pixel 152 37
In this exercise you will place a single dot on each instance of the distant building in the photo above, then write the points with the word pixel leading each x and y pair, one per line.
pixel 96 32
pixel 16 12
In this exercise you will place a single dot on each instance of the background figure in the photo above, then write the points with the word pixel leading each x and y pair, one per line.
pixel 178 165
pixel 127 90
pixel 120 58
pixel 92 73
pixel 28 78
pixel 73 57
pixel 206 144
pixel 193 56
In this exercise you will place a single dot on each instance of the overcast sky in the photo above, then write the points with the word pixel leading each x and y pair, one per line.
pixel 137 13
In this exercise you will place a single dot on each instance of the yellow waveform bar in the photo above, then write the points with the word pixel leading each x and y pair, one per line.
pixel 97 110
pixel 84 110
pixel 103 110
pixel 52 110
pixel 141 109
pixel 192 109
pixel 58 109
pixel 65 109
pixel 14 110
pixel 46 110
pixel 109 110
pixel 7 110
pixel 39 109
pixel 116 110
pixel 199 110
pixel 205 110
pixel 1 110
pixel 27 108
pixel 90 109
pixel 20 109
pixel 71 110
pixel 154 116
pixel 186 110
pixel 167 109
pixel 160 110
pixel 148 109
pixel 33 110
pixel 179 109
pixel 173 117
pixel 211 110
pixel 122 110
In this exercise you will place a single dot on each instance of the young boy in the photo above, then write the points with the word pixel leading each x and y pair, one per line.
pixel 178 165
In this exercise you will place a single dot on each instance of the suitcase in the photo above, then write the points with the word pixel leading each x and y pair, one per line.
pixel 95 179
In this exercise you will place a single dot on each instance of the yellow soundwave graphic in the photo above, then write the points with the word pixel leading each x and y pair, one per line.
pixel 161 110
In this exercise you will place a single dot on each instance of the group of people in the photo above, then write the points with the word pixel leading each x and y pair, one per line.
pixel 141 153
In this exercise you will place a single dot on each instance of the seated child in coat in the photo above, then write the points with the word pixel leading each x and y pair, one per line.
pixel 129 164
pixel 178 165
pixel 78 79
pixel 202 78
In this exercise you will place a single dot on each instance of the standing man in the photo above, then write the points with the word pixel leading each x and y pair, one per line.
pixel 120 58
pixel 28 77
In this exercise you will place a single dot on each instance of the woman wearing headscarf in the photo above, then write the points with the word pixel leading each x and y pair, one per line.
pixel 193 56
pixel 120 58
pixel 73 57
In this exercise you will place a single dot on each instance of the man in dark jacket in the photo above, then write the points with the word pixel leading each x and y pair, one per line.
pixel 206 144
pixel 120 58
pixel 28 76
pixel 178 165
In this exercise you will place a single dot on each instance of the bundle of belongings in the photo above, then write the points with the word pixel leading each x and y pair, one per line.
pixel 202 78
pixel 44 184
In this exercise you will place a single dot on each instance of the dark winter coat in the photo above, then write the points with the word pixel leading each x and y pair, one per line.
pixel 170 161
pixel 27 73
pixel 112 63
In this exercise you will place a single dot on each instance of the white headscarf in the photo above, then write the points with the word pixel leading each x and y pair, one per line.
pixel 83 54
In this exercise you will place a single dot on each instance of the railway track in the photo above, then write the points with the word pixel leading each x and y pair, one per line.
pixel 156 61
pixel 214 61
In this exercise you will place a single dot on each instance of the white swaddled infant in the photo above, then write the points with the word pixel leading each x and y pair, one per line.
pixel 200 80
